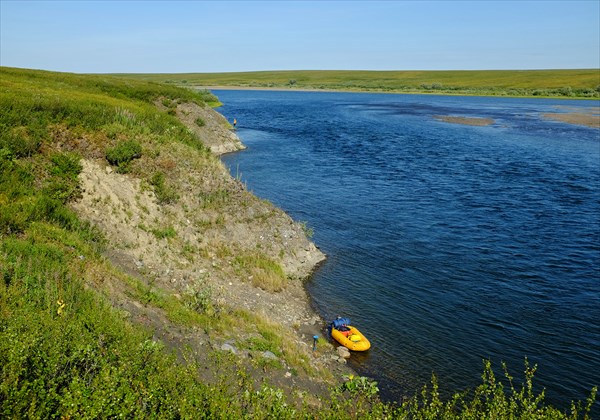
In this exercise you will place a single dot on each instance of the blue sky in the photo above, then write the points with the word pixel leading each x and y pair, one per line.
pixel 215 36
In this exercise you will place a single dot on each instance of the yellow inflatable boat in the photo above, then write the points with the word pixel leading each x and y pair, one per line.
pixel 348 336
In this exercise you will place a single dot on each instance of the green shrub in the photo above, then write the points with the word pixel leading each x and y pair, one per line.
pixel 198 297
pixel 6 159
pixel 66 165
pixel 63 185
pixel 61 189
pixel 200 122
pixel 113 130
pixel 164 193
pixel 308 231
pixel 163 233
pixel 357 384
pixel 123 153
pixel 23 141
pixel 16 178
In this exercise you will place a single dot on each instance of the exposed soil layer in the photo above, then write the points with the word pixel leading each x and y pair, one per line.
pixel 196 242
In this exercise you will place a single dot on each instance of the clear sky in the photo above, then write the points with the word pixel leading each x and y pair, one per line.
pixel 216 36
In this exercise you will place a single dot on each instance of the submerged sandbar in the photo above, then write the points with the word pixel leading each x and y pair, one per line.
pixel 589 120
pixel 464 120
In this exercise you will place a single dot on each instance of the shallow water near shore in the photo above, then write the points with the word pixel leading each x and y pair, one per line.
pixel 447 243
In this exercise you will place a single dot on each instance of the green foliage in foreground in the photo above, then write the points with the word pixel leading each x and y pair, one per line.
pixel 584 83
pixel 66 352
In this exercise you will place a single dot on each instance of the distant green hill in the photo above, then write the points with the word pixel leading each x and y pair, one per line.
pixel 584 83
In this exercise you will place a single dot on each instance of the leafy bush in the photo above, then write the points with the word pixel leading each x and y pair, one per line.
pixel 63 185
pixel 492 400
pixel 360 384
pixel 123 153
pixel 25 204
pixel 6 159
pixel 66 165
pixel 198 297
pixel 114 129
pixel 200 122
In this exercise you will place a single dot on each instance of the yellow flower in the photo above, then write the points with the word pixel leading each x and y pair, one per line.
pixel 61 306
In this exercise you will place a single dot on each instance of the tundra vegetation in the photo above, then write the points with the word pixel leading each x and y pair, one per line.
pixel 582 84
pixel 66 350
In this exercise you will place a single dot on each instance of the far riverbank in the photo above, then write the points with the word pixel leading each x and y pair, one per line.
pixel 589 116
pixel 554 83
pixel 502 94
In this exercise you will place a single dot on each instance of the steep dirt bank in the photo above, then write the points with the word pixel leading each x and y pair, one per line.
pixel 208 238
pixel 201 248
pixel 210 126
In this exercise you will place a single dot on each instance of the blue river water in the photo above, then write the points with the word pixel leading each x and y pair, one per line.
pixel 447 244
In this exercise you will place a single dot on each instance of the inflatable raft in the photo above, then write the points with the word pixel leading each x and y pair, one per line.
pixel 348 336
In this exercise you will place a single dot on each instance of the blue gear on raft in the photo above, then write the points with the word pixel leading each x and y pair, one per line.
pixel 347 335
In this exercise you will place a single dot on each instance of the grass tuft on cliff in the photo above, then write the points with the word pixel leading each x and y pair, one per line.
pixel 66 351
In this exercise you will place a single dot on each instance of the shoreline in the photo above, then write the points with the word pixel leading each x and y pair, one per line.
pixel 416 92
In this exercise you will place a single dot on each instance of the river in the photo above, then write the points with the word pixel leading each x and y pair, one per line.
pixel 447 244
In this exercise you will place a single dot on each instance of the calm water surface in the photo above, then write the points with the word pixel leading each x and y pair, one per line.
pixel 447 244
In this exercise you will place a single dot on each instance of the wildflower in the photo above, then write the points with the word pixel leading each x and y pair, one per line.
pixel 61 306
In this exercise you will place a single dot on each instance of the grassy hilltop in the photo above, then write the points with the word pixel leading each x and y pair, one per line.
pixel 127 254
pixel 541 83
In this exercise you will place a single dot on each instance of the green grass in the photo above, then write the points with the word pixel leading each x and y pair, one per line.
pixel 164 192
pixel 262 271
pixel 162 233
pixel 66 352
pixel 583 83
